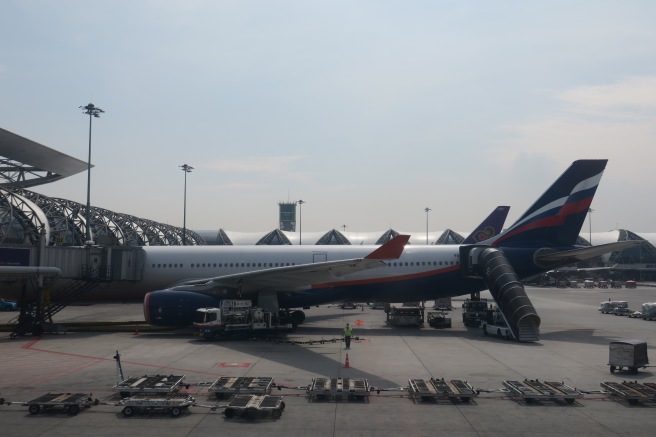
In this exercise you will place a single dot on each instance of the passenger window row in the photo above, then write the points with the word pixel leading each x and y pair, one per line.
pixel 265 265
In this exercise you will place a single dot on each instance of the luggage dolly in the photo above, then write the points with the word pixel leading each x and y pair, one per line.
pixel 175 404
pixel 632 392
pixel 254 406
pixel 337 388
pixel 227 385
pixel 70 402
pixel 146 384
pixel 434 389
pixel 532 389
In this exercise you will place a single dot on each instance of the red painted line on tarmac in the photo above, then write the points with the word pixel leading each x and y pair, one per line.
pixel 61 375
pixel 31 347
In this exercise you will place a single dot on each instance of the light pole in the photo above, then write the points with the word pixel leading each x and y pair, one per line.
pixel 427 210
pixel 300 222
pixel 186 169
pixel 92 111
pixel 590 211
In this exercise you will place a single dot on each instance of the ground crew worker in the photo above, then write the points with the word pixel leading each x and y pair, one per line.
pixel 347 336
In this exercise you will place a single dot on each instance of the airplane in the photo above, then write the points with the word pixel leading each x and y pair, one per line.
pixel 289 277
pixel 182 312
pixel 490 227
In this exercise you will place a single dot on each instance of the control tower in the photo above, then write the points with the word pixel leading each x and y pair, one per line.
pixel 287 216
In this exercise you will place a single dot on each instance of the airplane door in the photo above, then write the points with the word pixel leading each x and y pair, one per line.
pixel 319 257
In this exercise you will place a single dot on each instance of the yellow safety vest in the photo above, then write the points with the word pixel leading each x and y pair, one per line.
pixel 347 331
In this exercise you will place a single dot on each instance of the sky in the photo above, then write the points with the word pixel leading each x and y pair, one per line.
pixel 368 111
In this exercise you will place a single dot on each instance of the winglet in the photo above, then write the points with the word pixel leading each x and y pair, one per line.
pixel 390 250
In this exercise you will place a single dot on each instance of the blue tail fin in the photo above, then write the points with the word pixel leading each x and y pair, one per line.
pixel 556 218
pixel 490 227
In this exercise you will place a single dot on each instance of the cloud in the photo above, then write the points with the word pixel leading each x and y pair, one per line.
pixel 619 100
pixel 255 164
pixel 616 121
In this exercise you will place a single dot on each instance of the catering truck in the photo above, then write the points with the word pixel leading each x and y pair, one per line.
pixel 236 317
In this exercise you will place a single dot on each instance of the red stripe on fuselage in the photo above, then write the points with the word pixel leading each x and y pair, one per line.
pixel 389 278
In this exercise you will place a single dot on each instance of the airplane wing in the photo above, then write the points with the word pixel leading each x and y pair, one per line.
pixel 576 255
pixel 291 277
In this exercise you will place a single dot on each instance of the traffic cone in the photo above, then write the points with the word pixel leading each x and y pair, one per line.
pixel 346 363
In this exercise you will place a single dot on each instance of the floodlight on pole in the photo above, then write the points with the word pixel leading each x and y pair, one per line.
pixel 590 211
pixel 427 209
pixel 186 169
pixel 300 222
pixel 92 111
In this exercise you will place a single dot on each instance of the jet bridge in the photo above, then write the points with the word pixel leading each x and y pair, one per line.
pixel 490 264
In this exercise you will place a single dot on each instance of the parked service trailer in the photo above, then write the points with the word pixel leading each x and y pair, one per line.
pixel 338 389
pixel 69 402
pixel 532 389
pixel 439 389
pixel 148 384
pixel 254 406
pixel 174 404
pixel 627 353
pixel 227 386
pixel 632 392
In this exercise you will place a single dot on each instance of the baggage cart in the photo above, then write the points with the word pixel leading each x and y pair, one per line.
pixel 174 404
pixel 338 389
pixel 255 406
pixel 148 384
pixel 629 354
pixel 440 389
pixel 532 389
pixel 71 403
pixel 632 392
pixel 227 386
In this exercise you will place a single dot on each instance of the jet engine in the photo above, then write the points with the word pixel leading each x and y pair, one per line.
pixel 175 308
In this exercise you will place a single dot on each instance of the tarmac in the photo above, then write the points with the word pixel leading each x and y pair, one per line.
pixel 573 348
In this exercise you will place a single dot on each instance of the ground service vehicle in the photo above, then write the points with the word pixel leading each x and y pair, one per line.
pixel 474 311
pixel 236 317
pixel 438 319
pixel 627 353
pixel 443 303
pixel 608 306
pixel 405 316
pixel 648 311
pixel 495 324
pixel 8 305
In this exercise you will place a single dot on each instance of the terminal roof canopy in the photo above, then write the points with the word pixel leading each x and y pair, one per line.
pixel 25 163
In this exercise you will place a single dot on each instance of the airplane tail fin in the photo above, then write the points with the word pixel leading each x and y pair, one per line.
pixel 556 218
pixel 490 227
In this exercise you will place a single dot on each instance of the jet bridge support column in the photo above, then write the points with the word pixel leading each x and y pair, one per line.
pixel 508 292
